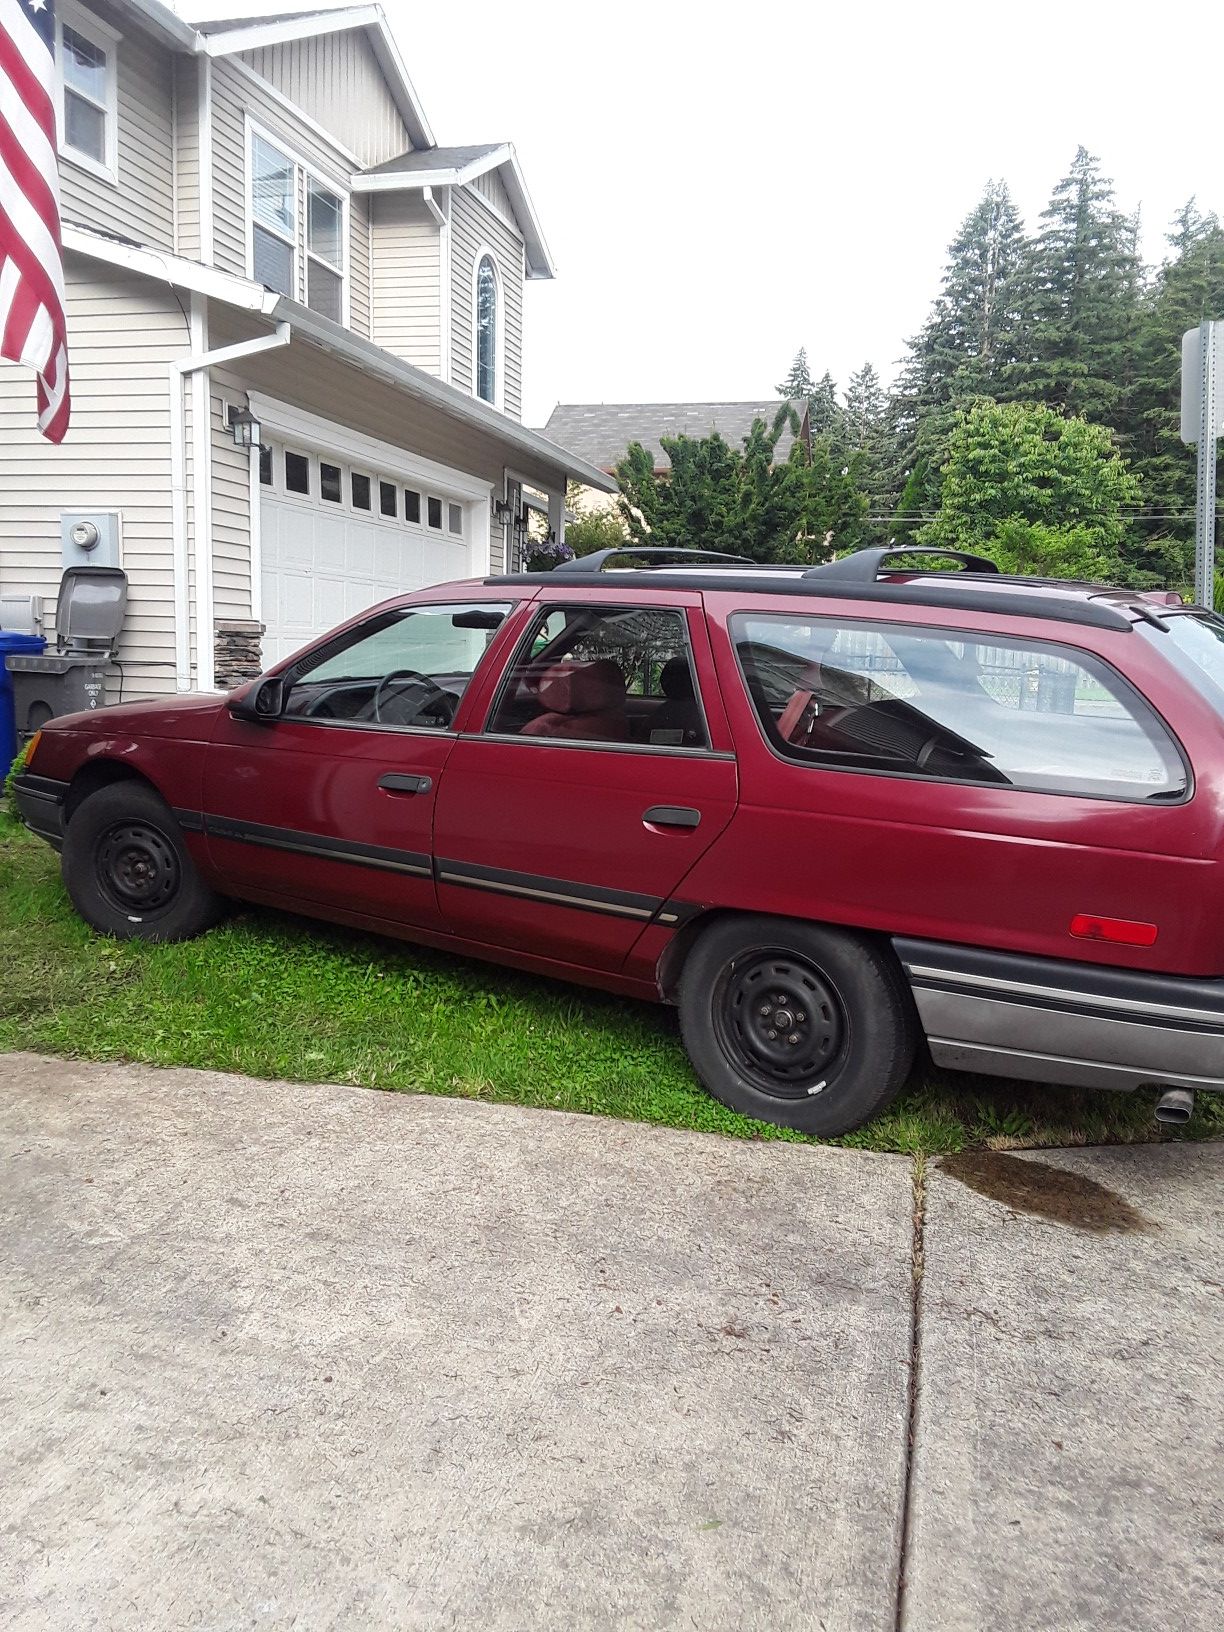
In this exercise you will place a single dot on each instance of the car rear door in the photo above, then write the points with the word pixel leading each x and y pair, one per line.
pixel 560 834
pixel 332 803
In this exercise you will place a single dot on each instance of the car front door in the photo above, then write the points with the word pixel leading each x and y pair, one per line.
pixel 331 803
pixel 602 773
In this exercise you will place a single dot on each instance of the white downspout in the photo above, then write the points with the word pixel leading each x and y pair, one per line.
pixel 197 363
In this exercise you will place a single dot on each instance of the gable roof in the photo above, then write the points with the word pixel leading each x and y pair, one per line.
pixel 455 166
pixel 601 432
pixel 227 37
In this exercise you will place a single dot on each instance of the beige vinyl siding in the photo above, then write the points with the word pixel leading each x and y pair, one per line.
pixel 187 153
pixel 490 186
pixel 140 204
pixel 359 264
pixel 407 279
pixel 123 333
pixel 335 78
pixel 236 94
pixel 231 505
pixel 474 224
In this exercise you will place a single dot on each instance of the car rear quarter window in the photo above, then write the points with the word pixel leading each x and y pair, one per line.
pixel 933 703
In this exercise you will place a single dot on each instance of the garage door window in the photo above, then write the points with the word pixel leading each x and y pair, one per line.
pixel 361 491
pixel 297 473
pixel 331 486
pixel 412 506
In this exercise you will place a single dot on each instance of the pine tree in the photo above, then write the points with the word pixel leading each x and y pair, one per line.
pixel 869 445
pixel 1188 288
pixel 866 406
pixel 966 348
pixel 799 382
pixel 1081 292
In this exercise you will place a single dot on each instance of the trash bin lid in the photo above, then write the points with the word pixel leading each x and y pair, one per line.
pixel 14 640
pixel 91 605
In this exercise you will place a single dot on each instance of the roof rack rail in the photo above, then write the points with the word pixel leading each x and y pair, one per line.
pixel 595 561
pixel 863 567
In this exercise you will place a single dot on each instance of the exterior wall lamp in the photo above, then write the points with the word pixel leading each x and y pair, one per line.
pixel 245 426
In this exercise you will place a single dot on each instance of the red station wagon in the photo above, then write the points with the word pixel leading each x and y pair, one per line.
pixel 834 813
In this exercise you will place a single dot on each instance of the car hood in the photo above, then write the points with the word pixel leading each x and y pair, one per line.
pixel 190 714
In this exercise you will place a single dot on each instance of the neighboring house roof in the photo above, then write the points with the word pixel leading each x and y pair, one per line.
pixel 601 432
pixel 452 167
pixel 246 295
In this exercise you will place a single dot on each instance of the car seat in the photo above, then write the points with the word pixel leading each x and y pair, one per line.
pixel 677 720
pixel 581 700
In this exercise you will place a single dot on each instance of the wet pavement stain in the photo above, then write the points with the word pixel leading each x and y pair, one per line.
pixel 1046 1192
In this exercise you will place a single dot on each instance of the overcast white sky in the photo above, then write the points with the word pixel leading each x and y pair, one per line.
pixel 721 184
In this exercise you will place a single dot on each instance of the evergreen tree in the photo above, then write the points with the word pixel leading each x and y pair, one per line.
pixel 869 444
pixel 1081 293
pixel 1188 288
pixel 799 382
pixel 866 406
pixel 965 350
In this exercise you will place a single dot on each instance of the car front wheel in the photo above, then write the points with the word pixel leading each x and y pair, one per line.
pixel 128 871
pixel 798 1024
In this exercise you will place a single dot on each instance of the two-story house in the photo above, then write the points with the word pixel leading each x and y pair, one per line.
pixel 295 332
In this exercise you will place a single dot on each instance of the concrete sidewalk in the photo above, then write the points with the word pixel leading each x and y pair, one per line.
pixel 275 1355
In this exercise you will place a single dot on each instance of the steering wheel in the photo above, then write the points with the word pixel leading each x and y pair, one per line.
pixel 433 695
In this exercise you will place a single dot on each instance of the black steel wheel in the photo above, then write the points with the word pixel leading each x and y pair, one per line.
pixel 800 1024
pixel 137 867
pixel 779 1018
pixel 128 869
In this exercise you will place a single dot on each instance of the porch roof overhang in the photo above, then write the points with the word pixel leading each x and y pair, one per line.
pixel 244 295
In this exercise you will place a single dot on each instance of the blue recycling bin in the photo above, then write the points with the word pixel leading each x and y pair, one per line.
pixel 14 644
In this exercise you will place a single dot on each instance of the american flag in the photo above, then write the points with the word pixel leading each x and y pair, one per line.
pixel 33 330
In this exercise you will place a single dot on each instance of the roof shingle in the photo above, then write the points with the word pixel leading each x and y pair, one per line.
pixel 601 432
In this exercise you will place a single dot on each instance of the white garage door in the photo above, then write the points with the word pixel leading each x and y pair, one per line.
pixel 336 537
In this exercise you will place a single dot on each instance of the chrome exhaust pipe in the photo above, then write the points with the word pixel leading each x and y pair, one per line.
pixel 1175 1105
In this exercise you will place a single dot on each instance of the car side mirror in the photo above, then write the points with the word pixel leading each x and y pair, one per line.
pixel 263 703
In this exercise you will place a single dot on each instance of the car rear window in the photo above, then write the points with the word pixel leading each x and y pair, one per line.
pixel 1194 643
pixel 908 701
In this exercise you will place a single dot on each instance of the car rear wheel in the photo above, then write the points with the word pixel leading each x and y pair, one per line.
pixel 798 1024
pixel 128 871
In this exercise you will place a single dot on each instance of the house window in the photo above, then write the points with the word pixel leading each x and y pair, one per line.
pixel 273 218
pixel 324 251
pixel 88 90
pixel 292 246
pixel 486 330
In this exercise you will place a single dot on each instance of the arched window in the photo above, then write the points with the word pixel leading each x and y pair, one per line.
pixel 486 330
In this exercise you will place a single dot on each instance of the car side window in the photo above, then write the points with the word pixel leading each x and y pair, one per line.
pixel 608 674
pixel 408 667
pixel 931 703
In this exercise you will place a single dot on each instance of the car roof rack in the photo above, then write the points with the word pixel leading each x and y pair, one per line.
pixel 596 560
pixel 864 566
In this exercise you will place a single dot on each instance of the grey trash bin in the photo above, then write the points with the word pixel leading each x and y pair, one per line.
pixel 88 617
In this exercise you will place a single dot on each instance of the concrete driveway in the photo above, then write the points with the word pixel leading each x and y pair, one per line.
pixel 315 1357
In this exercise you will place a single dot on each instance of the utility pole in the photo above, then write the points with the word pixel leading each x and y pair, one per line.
pixel 1202 421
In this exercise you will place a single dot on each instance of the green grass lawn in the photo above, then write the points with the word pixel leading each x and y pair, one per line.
pixel 275 996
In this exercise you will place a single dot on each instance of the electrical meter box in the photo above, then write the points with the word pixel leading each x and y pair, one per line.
pixel 89 538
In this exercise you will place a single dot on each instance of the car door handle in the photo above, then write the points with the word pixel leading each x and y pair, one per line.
pixel 393 782
pixel 671 816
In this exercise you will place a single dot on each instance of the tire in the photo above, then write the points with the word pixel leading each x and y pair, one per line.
pixel 128 871
pixel 843 1036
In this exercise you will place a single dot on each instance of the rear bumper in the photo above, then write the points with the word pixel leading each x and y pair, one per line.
pixel 1049 1021
pixel 40 804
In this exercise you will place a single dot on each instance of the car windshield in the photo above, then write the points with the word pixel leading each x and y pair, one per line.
pixel 1194 642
